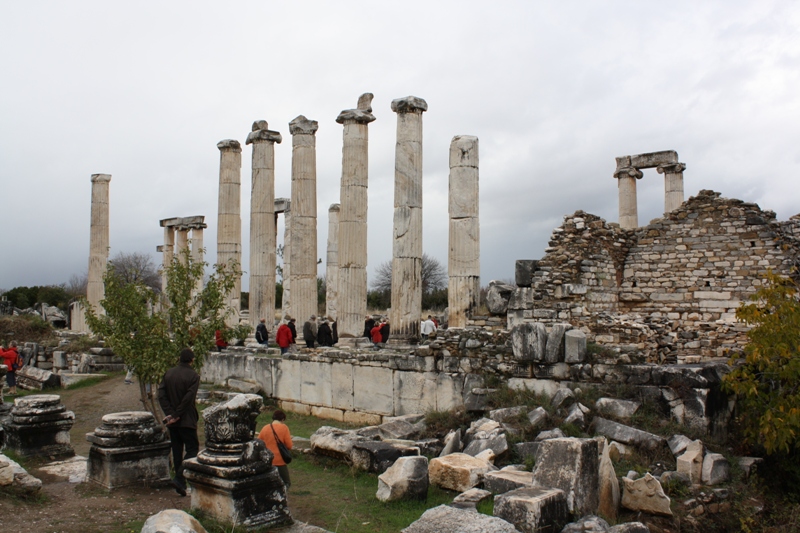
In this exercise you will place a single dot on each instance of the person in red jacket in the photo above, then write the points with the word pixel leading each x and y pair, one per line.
pixel 13 361
pixel 377 338
pixel 284 337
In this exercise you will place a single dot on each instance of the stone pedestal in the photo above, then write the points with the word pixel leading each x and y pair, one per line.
pixel 127 449
pixel 353 218
pixel 233 478
pixel 262 224
pixel 229 219
pixel 40 426
pixel 404 318
pixel 303 249
pixel 464 259
pixel 332 263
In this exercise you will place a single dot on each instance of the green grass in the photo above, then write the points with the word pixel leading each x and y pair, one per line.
pixel 88 382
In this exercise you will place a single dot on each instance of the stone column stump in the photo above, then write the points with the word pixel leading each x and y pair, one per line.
pixel 40 426
pixel 128 448
pixel 233 478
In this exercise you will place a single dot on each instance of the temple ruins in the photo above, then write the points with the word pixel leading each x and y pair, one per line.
pixel 229 219
pixel 178 240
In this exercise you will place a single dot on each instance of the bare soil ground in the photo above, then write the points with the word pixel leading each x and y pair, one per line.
pixel 65 507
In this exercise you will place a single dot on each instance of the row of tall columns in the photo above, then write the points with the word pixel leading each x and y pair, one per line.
pixel 404 319
pixel 352 300
pixel 263 228
pixel 629 170
pixel 229 220
pixel 303 250
pixel 178 240
pixel 332 263
pixel 464 257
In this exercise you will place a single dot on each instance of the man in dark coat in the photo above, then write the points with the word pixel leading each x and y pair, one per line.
pixel 369 323
pixel 384 331
pixel 262 335
pixel 177 395
pixel 310 331
pixel 293 329
pixel 324 334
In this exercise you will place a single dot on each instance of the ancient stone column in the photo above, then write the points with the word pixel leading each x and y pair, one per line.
pixel 262 224
pixel 626 176
pixel 283 205
pixel 464 260
pixel 673 185
pixel 197 253
pixel 98 240
pixel 353 218
pixel 182 243
pixel 304 217
pixel 229 220
pixel 332 262
pixel 167 253
pixel 404 319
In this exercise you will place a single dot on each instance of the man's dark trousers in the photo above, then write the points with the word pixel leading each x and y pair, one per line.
pixel 183 439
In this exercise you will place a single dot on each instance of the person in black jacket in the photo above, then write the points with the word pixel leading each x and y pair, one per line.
pixel 177 395
pixel 369 323
pixel 324 334
pixel 384 330
pixel 310 331
pixel 262 335
pixel 293 328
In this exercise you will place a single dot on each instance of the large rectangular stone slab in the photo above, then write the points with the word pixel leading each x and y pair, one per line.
pixel 415 392
pixel 288 379
pixel 315 384
pixel 342 386
pixel 375 390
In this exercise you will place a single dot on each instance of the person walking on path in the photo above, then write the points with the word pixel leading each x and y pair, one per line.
pixel 177 395
pixel 13 361
pixel 310 331
pixel 284 337
pixel 278 430
pixel 262 335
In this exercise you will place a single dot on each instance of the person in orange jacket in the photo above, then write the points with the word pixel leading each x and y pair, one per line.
pixel 278 429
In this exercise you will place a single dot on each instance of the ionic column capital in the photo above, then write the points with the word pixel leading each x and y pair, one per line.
pixel 409 104
pixel 628 172
pixel 673 168
pixel 229 145
pixel 362 114
pixel 260 132
pixel 300 125
pixel 101 178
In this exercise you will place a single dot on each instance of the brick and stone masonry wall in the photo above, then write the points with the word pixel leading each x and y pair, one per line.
pixel 670 288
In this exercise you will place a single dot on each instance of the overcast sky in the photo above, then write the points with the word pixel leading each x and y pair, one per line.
pixel 554 91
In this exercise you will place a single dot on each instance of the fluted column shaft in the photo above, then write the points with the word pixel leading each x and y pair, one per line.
pixel 229 220
pixel 332 263
pixel 167 251
pixel 353 218
pixel 304 217
pixel 406 309
pixel 464 259
pixel 98 240
pixel 286 300
pixel 673 185
pixel 628 210
pixel 197 254
pixel 262 224
pixel 182 244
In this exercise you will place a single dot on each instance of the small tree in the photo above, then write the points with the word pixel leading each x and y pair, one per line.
pixel 149 340
pixel 767 384
pixel 137 267
pixel 434 276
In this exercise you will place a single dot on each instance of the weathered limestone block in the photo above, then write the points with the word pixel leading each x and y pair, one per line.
pixel 457 471
pixel 574 346
pixel 563 397
pixel 398 429
pixel 6 472
pixel 608 493
pixel 508 413
pixel 554 352
pixel 587 524
pixel 406 479
pixel 498 444
pixel 533 509
pixel 621 409
pixel 678 443
pixel 335 442
pixel 377 456
pixel 526 450
pixel 497 297
pixel 716 469
pixel 529 341
pixel 40 426
pixel 452 443
pixel 447 519
pixel 172 521
pixel 571 465
pixel 690 461
pixel 538 417
pixel 646 495
pixel 577 415
pixel 128 448
pixel 627 434
pixel 506 480
pixel 523 271
pixel 233 479
pixel 33 378
pixel 471 498
pixel 476 399
pixel 550 434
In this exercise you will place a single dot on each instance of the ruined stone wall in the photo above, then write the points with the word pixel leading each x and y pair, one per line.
pixel 669 289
